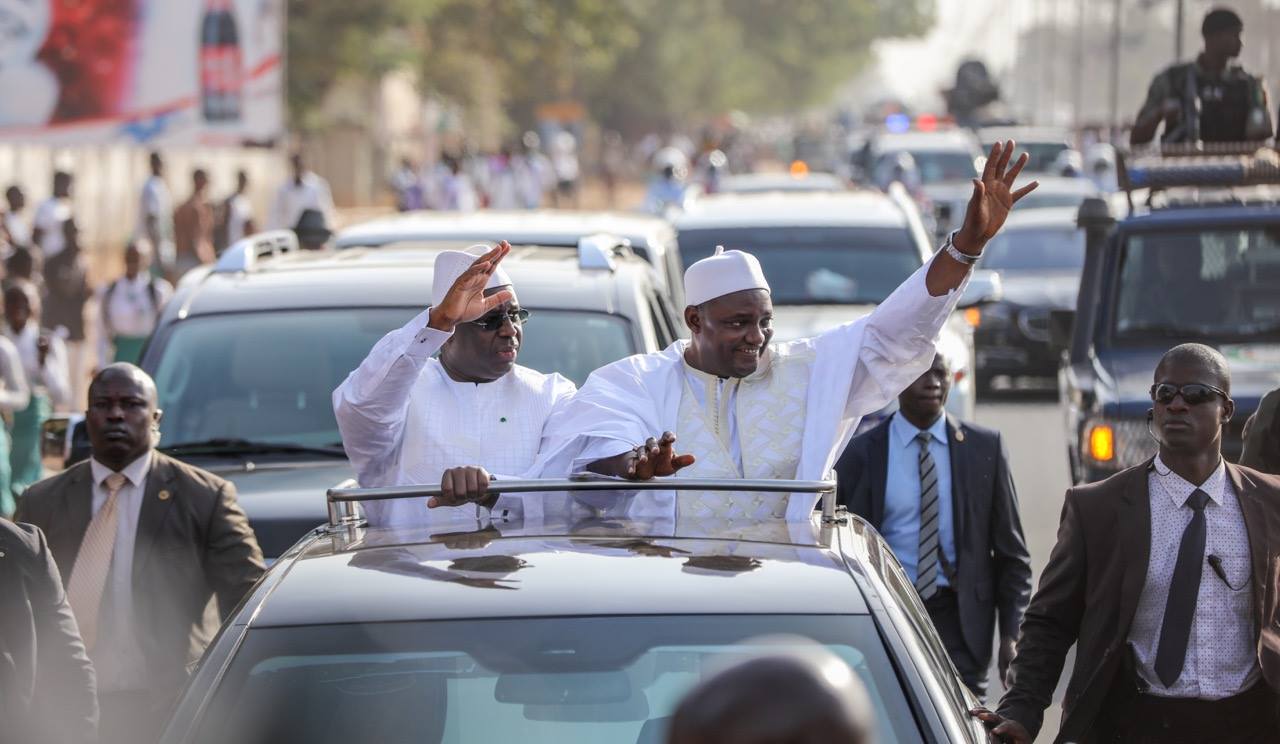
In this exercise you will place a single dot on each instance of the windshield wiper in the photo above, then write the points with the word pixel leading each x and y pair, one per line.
pixel 231 446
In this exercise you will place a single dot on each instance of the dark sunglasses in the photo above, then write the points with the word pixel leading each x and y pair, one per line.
pixel 1194 394
pixel 494 321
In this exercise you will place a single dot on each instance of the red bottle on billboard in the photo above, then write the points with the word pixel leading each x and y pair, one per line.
pixel 221 74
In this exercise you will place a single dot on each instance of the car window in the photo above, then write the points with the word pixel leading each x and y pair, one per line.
pixel 1040 155
pixel 1035 248
pixel 934 166
pixel 1215 285
pixel 565 680
pixel 818 265
pixel 270 376
pixel 1050 198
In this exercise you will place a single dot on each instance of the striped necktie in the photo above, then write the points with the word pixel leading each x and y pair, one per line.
pixel 93 562
pixel 927 565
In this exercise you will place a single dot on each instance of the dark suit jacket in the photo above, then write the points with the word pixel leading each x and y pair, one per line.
pixel 993 567
pixel 194 546
pixel 47 689
pixel 1089 593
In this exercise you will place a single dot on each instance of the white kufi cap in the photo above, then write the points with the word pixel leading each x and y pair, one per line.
pixel 452 264
pixel 724 273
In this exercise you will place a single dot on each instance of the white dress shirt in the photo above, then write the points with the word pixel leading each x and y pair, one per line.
pixel 129 311
pixel 901 524
pixel 1221 659
pixel 117 657
pixel 15 395
pixel 239 212
pixel 19 232
pixel 404 421
pixel 292 199
pixel 50 215
pixel 53 379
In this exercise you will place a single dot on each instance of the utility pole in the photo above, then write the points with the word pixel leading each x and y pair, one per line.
pixel 1113 114
pixel 1179 26
pixel 1077 98
pixel 1052 88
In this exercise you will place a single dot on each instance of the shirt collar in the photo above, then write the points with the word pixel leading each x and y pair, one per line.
pixel 135 472
pixel 1179 488
pixel 904 432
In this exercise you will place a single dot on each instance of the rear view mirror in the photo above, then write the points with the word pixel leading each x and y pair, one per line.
pixel 984 287
pixel 564 688
pixel 1061 328
pixel 55 442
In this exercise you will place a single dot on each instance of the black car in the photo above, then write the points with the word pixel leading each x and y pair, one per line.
pixel 1202 269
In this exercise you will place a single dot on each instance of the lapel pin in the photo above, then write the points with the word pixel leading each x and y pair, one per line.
pixel 959 436
pixel 163 495
pixel 1 553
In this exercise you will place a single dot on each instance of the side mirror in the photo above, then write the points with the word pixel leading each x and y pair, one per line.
pixel 55 441
pixel 984 287
pixel 1061 328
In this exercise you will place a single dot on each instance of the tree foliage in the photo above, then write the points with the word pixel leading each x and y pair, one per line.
pixel 634 64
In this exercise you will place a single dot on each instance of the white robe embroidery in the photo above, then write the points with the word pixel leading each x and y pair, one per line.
pixel 792 417
pixel 404 421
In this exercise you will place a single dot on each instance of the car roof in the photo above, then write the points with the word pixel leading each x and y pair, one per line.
pixel 1066 184
pixel 399 277
pixel 863 208
pixel 408 574
pixel 756 182
pixel 941 140
pixel 548 227
pixel 1055 135
pixel 1041 217
pixel 1200 216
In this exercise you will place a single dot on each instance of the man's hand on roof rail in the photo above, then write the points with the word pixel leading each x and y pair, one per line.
pixel 464 485
pixel 655 458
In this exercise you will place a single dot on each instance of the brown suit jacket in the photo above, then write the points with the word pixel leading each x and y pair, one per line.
pixel 194 546
pixel 1089 593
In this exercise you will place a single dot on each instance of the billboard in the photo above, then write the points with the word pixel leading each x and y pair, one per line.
pixel 153 72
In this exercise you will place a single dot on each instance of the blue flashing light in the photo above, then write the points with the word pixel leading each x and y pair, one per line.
pixel 897 123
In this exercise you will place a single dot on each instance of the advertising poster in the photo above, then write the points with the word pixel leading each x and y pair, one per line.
pixel 153 72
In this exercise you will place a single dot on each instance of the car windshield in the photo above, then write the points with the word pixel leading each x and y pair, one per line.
pixel 1213 285
pixel 563 680
pixel 935 166
pixel 268 377
pixel 1019 249
pixel 1047 198
pixel 817 265
pixel 1040 155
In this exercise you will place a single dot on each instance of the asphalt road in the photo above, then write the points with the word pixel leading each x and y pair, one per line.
pixel 1034 435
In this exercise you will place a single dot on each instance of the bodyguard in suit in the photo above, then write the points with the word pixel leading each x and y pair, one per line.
pixel 46 680
pixel 1164 578
pixel 941 494
pixel 154 554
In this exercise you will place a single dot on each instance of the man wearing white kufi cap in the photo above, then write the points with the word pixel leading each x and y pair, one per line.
pixel 406 415
pixel 743 407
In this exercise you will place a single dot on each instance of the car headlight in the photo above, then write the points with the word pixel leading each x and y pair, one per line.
pixel 990 317
pixel 1115 443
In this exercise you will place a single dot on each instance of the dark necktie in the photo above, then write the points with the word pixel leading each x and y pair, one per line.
pixel 927 564
pixel 1184 589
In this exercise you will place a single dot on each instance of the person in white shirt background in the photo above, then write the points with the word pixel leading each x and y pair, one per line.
pixel 304 190
pixel 15 223
pixel 155 213
pixel 406 414
pixel 50 216
pixel 238 213
pixel 44 364
pixel 14 396
pixel 129 307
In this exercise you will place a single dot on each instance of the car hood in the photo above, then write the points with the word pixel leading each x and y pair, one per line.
pixel 284 499
pixel 1255 370
pixel 1051 289
pixel 802 321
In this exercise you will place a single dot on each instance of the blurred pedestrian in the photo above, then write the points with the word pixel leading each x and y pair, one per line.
pixel 312 233
pixel 15 395
pixel 66 291
pixel 193 228
pixel 129 307
pixel 304 190
pixel 613 161
pixel 145 544
pixel 457 191
pixel 1262 436
pixel 46 680
pixel 785 697
pixel 46 236
pixel 44 364
pixel 407 186
pixel 1208 99
pixel 503 181
pixel 537 174
pixel 20 265
pixel 941 493
pixel 564 162
pixel 155 214
pixel 15 222
pixel 235 215
pixel 1163 579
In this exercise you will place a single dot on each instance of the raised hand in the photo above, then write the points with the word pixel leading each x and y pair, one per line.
pixel 993 197
pixel 465 300
pixel 655 459
pixel 1002 729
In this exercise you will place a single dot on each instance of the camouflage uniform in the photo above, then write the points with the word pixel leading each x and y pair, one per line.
pixel 1231 107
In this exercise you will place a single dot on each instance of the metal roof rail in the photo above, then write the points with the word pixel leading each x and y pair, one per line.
pixel 598 251
pixel 1201 165
pixel 244 254
pixel 341 497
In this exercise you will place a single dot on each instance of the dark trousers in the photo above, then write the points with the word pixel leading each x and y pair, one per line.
pixel 944 608
pixel 132 717
pixel 1245 718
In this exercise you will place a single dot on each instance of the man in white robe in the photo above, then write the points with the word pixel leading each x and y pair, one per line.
pixel 406 415
pixel 745 408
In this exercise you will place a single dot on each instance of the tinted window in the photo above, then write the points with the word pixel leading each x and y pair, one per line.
pixel 1217 285
pixel 941 165
pixel 818 265
pixel 565 680
pixel 270 376
pixel 1035 248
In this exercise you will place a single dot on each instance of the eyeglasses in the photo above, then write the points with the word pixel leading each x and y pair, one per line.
pixel 1194 394
pixel 494 321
